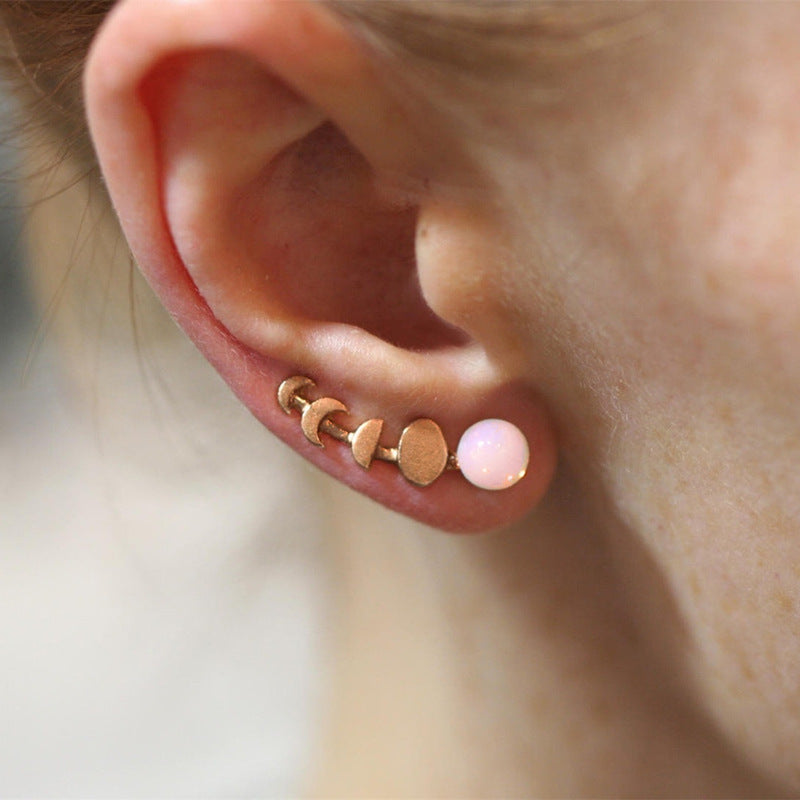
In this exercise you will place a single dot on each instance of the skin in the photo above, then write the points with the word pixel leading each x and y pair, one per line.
pixel 627 286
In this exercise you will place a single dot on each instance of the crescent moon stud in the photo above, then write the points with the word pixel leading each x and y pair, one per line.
pixel 315 413
pixel 492 454
pixel 290 389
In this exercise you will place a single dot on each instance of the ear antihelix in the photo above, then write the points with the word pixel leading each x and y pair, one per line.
pixel 492 454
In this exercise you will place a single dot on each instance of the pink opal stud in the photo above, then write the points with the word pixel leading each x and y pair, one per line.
pixel 493 454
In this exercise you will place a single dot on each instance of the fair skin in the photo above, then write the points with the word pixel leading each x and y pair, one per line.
pixel 623 264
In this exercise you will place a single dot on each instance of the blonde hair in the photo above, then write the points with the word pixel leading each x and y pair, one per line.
pixel 44 48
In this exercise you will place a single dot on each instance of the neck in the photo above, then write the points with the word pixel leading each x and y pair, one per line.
pixel 509 664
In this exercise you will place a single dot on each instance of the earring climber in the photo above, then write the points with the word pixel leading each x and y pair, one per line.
pixel 492 453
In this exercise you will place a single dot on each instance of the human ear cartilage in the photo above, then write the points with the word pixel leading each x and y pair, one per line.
pixel 492 454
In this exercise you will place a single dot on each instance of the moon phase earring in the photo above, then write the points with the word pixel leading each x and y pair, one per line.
pixel 492 454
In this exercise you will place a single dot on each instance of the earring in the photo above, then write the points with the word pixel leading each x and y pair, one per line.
pixel 492 454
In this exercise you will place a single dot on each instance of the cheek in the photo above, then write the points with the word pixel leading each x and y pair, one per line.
pixel 742 607
pixel 705 459
pixel 720 230
pixel 662 315
pixel 708 303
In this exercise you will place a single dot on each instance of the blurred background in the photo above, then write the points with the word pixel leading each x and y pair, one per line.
pixel 160 577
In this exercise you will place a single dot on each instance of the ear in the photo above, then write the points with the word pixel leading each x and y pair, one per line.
pixel 290 216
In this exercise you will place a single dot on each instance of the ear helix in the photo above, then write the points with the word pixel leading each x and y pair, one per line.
pixel 491 454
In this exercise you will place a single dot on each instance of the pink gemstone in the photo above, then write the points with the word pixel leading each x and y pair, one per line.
pixel 493 454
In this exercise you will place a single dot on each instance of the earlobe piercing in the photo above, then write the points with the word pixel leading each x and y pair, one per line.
pixel 492 454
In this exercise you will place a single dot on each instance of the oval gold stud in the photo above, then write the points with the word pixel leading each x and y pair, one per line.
pixel 289 388
pixel 422 452
pixel 315 413
pixel 365 441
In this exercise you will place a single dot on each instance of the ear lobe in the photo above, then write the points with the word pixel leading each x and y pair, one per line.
pixel 274 242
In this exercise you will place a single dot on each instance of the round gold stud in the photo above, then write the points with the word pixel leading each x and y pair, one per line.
pixel 422 452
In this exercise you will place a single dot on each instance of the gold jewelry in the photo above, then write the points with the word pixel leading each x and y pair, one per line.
pixel 421 453
pixel 494 453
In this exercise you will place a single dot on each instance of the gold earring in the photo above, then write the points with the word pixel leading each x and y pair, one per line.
pixel 492 454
